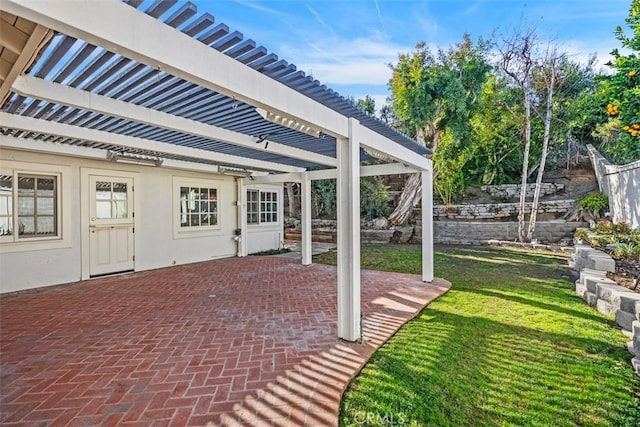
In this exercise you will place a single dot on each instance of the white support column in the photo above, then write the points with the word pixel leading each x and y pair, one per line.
pixel 427 225
pixel 242 217
pixel 305 239
pixel 348 210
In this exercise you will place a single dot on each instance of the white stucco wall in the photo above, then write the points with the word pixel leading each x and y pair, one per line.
pixel 25 266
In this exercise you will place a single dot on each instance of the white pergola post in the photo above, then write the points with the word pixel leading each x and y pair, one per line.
pixel 427 225
pixel 242 217
pixel 305 239
pixel 348 212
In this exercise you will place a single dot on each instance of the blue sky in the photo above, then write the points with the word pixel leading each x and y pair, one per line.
pixel 347 44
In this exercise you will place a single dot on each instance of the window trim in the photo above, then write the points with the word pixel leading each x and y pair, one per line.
pixel 260 212
pixel 13 243
pixel 253 203
pixel 194 231
pixel 269 212
pixel 16 237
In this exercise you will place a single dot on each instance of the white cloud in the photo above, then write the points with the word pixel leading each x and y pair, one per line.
pixel 361 71
pixel 358 61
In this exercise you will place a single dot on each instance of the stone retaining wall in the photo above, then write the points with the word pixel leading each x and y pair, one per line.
pixel 498 210
pixel 451 232
pixel 512 191
pixel 467 232
pixel 606 296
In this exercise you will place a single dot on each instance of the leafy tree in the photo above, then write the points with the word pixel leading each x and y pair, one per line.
pixel 434 94
pixel 623 89
pixel 368 105
pixel 496 135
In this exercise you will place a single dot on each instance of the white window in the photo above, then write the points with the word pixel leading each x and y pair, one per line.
pixel 268 206
pixel 29 206
pixel 196 206
pixel 262 207
pixel 253 207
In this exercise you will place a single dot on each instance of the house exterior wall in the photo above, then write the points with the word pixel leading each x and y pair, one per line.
pixel 158 239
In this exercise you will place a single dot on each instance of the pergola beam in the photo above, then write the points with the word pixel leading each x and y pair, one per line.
pixel 60 94
pixel 85 134
pixel 377 142
pixel 34 145
pixel 28 52
pixel 368 170
pixel 119 28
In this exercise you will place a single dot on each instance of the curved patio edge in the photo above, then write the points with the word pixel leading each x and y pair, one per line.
pixel 309 394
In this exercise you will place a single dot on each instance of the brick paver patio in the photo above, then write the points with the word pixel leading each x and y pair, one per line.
pixel 233 342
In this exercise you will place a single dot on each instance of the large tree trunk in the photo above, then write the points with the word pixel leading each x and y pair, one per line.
pixel 294 202
pixel 525 163
pixel 545 149
pixel 412 191
pixel 410 197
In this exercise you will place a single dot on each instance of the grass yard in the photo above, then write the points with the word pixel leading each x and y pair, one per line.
pixel 509 344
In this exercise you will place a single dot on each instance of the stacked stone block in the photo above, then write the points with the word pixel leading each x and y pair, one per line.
pixel 512 191
pixel 498 210
pixel 606 296
pixel 476 233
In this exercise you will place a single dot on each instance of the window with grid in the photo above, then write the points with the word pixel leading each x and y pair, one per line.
pixel 28 206
pixel 268 206
pixel 253 207
pixel 262 207
pixel 198 207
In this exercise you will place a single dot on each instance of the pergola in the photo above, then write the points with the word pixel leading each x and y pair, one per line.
pixel 156 80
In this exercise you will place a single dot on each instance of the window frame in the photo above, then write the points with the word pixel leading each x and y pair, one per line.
pixel 260 203
pixel 253 207
pixel 180 231
pixel 268 212
pixel 16 237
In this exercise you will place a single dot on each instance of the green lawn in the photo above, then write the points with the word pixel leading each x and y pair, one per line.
pixel 509 344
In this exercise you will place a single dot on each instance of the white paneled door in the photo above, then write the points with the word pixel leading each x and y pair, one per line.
pixel 110 224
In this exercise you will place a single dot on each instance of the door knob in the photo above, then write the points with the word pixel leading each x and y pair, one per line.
pixel 93 218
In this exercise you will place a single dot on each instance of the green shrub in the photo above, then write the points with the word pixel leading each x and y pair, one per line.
pixel 625 240
pixel 626 250
pixel 603 227
pixel 595 202
pixel 581 234
pixel 374 196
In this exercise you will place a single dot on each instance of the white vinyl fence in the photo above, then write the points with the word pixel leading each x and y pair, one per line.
pixel 621 184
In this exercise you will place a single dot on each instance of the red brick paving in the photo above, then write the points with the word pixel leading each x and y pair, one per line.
pixel 231 342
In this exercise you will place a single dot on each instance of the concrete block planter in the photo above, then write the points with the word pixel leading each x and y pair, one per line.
pixel 625 319
pixel 592 283
pixel 606 296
